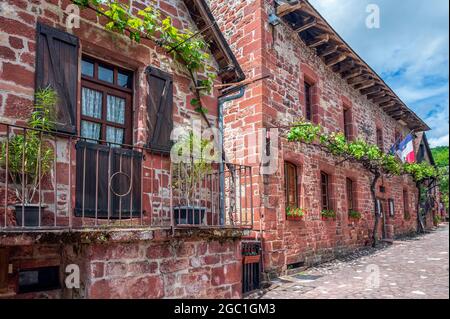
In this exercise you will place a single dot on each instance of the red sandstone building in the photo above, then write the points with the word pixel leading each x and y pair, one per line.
pixel 111 204
pixel 316 76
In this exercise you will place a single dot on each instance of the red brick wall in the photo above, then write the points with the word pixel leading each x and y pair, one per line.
pixel 278 101
pixel 160 268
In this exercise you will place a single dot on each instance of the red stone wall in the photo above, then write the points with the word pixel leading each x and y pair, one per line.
pixel 18 20
pixel 158 268
pixel 276 102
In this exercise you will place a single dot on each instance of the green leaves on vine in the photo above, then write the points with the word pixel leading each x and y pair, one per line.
pixel 183 45
pixel 359 150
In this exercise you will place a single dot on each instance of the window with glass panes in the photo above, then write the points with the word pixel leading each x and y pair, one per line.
pixel 106 108
pixel 291 187
pixel 325 189
pixel 308 102
pixel 350 196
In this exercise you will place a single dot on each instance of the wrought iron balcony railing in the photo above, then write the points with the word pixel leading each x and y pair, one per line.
pixel 57 181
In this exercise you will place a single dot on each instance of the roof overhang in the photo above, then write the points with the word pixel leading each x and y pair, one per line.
pixel 229 68
pixel 317 34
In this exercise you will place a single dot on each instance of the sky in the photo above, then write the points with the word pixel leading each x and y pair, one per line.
pixel 410 51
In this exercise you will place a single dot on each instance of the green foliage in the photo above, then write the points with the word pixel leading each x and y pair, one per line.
pixel 184 45
pixel 441 155
pixel 437 220
pixel 358 151
pixel 193 165
pixel 295 212
pixel 328 213
pixel 354 214
pixel 28 156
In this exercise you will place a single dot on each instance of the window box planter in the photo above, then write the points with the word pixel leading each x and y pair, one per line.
pixel 251 259
pixel 354 216
pixel 295 214
pixel 295 218
pixel 30 214
pixel 189 215
pixel 328 215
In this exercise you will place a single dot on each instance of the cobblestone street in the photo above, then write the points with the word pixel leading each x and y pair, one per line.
pixel 416 268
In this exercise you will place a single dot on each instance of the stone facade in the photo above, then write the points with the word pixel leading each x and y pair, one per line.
pixel 277 102
pixel 190 266
pixel 139 264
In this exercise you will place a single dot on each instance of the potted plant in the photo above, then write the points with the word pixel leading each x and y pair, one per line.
pixel 188 173
pixel 328 214
pixel 29 158
pixel 295 213
pixel 352 214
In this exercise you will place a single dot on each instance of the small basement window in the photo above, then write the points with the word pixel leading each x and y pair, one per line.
pixel 296 265
pixel 39 279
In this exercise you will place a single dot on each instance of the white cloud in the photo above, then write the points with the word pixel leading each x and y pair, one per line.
pixel 441 141
pixel 410 51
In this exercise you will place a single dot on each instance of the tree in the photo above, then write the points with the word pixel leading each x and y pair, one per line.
pixel 441 158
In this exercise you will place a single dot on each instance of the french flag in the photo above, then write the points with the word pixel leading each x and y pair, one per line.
pixel 405 150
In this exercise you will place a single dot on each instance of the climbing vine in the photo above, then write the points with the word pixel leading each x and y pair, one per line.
pixel 184 45
pixel 359 151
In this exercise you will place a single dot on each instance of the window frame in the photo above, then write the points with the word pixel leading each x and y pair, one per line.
pixel 287 180
pixel 348 123
pixel 112 89
pixel 391 203
pixel 379 138
pixel 350 194
pixel 325 196
pixel 406 212
pixel 309 108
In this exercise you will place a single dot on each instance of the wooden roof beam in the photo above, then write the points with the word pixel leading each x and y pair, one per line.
pixel 336 60
pixel 383 99
pixel 394 111
pixel 353 73
pixel 358 79
pixel 307 25
pixel 319 40
pixel 377 95
pixel 364 85
pixel 329 50
pixel 287 8
pixel 387 104
pixel 344 66
pixel 372 89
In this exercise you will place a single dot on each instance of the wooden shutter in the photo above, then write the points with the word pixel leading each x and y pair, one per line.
pixel 100 167
pixel 4 263
pixel 159 110
pixel 57 67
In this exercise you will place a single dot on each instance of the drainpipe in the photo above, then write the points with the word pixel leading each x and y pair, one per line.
pixel 222 100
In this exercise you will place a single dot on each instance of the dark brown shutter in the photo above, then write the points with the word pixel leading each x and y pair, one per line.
pixel 159 110
pixel 57 67
pixel 100 167
pixel 4 263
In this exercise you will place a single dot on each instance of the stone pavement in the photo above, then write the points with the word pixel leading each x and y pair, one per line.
pixel 414 268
